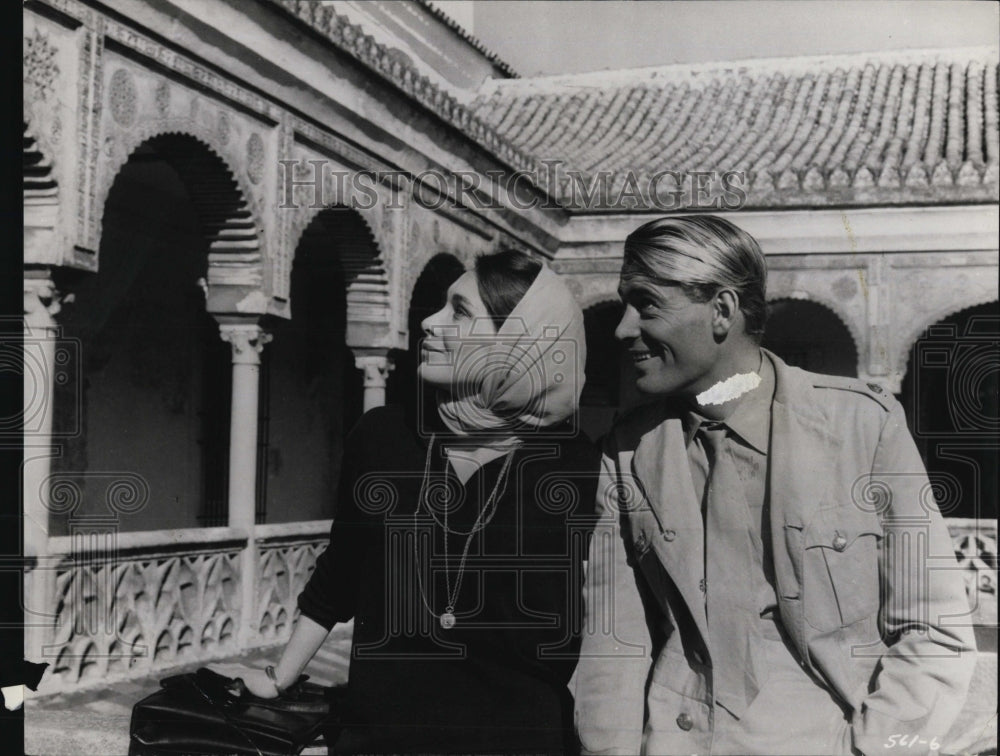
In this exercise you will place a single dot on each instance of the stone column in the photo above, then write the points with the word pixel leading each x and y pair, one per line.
pixel 376 365
pixel 41 334
pixel 248 340
pixel 880 335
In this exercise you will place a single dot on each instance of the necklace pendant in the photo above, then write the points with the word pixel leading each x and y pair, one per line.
pixel 447 620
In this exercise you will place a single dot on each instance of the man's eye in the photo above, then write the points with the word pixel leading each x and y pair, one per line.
pixel 645 305
pixel 459 312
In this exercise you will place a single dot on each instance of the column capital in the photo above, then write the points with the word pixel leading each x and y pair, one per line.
pixel 42 300
pixel 376 364
pixel 247 339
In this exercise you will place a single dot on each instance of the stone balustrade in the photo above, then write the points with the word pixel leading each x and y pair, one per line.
pixel 133 604
pixel 286 558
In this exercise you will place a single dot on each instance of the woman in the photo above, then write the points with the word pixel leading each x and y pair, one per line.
pixel 459 537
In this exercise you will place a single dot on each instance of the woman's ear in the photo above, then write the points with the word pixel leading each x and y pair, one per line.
pixel 725 311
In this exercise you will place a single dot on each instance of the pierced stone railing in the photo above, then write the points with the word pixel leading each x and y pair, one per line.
pixel 976 549
pixel 286 558
pixel 975 542
pixel 133 604
pixel 127 604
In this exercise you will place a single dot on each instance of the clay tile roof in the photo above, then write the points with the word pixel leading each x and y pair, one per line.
pixel 860 129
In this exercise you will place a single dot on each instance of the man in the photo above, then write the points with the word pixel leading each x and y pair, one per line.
pixel 771 574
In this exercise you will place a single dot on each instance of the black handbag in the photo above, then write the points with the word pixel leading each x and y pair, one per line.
pixel 209 713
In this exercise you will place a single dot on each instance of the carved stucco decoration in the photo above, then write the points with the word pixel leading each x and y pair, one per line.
pixel 975 543
pixel 255 158
pixel 283 570
pixel 40 67
pixel 845 287
pixel 161 97
pixel 55 129
pixel 122 98
pixel 166 610
pixel 90 86
pixel 222 128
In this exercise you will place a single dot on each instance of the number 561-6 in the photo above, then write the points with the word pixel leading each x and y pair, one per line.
pixel 908 741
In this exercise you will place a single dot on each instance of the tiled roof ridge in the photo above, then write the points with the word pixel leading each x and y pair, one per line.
pixel 462 32
pixel 695 73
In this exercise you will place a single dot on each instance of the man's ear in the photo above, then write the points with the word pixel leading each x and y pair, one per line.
pixel 725 311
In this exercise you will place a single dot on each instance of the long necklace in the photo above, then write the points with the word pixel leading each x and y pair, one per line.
pixel 447 618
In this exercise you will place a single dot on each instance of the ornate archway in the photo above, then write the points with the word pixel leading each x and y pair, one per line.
pixel 151 382
pixel 610 382
pixel 810 335
pixel 950 394
pixel 229 223
pixel 351 238
pixel 930 324
pixel 311 391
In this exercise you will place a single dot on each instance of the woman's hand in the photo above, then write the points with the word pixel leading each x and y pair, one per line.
pixel 306 639
pixel 256 680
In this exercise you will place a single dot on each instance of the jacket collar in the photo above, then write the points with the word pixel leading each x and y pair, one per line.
pixel 750 420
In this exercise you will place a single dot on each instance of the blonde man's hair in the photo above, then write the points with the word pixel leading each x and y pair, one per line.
pixel 701 254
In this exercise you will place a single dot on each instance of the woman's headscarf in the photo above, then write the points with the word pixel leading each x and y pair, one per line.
pixel 529 375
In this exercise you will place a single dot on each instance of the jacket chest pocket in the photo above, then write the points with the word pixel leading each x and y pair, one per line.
pixel 840 568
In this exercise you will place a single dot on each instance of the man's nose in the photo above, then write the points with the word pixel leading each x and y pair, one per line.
pixel 628 326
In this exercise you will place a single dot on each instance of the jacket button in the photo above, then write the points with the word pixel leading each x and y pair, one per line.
pixel 684 721
pixel 669 535
pixel 702 585
pixel 839 542
pixel 640 542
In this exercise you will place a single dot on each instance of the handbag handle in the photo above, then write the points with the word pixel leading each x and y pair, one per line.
pixel 229 688
pixel 217 686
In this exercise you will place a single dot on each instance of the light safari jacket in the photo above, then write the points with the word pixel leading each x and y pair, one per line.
pixel 865 572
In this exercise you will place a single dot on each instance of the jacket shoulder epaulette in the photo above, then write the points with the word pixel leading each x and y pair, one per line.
pixel 871 390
